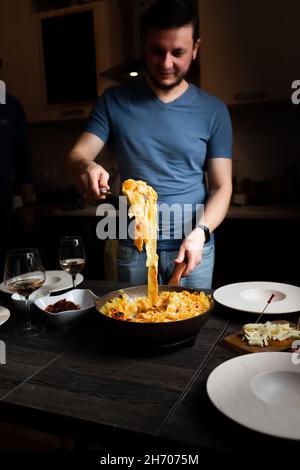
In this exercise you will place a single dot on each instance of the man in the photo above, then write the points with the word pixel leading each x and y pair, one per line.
pixel 168 133
pixel 15 170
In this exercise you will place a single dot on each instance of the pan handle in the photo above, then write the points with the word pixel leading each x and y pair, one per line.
pixel 176 274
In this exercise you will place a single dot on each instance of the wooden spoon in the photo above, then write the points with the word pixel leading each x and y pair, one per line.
pixel 176 275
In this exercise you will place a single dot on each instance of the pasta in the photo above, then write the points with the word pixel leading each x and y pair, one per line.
pixel 143 200
pixel 170 306
pixel 155 308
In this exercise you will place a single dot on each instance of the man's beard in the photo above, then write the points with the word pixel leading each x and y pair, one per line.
pixel 164 86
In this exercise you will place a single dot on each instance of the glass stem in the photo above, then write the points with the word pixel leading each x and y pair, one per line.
pixel 73 279
pixel 28 322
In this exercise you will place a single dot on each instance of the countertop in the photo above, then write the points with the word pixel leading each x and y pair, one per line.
pixel 235 212
pixel 81 383
pixel 264 212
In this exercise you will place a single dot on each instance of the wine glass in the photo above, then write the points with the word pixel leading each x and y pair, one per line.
pixel 24 273
pixel 72 256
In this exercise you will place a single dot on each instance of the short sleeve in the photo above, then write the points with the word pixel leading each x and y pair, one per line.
pixel 220 141
pixel 99 121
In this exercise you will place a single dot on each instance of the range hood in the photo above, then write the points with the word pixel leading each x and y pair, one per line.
pixel 131 14
pixel 135 69
pixel 131 70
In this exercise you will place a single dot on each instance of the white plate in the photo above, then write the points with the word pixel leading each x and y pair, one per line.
pixel 253 297
pixel 60 280
pixel 259 391
pixel 4 315
pixel 55 281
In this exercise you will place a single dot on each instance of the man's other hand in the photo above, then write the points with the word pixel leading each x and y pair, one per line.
pixel 191 251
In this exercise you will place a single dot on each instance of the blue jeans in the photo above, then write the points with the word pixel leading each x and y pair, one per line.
pixel 132 267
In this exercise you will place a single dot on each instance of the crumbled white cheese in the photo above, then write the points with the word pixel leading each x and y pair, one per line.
pixel 259 334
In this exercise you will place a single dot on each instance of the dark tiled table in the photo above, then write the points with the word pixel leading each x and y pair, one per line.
pixel 81 383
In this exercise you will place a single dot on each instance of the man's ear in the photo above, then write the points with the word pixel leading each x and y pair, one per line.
pixel 196 48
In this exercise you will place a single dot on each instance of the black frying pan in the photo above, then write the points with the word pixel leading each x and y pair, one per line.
pixel 154 333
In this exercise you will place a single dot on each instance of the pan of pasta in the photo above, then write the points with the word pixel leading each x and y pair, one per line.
pixel 153 314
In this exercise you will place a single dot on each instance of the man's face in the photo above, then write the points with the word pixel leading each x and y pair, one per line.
pixel 169 54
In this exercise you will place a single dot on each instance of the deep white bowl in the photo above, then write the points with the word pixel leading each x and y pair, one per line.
pixel 67 319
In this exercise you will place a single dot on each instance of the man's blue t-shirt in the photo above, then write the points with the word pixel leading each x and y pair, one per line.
pixel 165 144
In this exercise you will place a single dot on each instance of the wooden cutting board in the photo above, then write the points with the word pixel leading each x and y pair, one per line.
pixel 236 343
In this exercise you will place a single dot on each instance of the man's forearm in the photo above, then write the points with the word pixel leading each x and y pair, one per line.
pixel 75 163
pixel 217 206
pixel 82 155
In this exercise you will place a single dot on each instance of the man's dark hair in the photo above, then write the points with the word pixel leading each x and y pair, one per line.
pixel 166 14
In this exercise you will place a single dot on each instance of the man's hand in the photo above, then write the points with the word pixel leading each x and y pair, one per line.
pixel 82 170
pixel 191 250
pixel 93 177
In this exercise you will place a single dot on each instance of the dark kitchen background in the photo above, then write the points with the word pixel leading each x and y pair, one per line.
pixel 59 55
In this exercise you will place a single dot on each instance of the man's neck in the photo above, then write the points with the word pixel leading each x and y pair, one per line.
pixel 166 96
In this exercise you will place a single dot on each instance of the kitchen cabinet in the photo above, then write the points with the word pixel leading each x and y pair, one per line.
pixel 22 55
pixel 18 53
pixel 257 250
pixel 249 49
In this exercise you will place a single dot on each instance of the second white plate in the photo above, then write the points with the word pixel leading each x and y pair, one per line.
pixel 259 391
pixel 253 297
pixel 60 280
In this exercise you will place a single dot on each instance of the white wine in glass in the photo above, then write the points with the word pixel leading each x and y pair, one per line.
pixel 24 274
pixel 72 256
